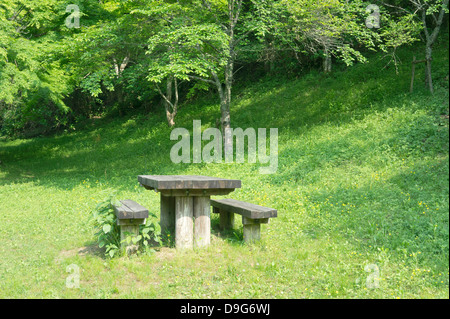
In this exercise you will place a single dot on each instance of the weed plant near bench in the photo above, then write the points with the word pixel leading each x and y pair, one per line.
pixel 107 230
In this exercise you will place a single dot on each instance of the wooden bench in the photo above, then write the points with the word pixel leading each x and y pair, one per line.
pixel 252 216
pixel 129 216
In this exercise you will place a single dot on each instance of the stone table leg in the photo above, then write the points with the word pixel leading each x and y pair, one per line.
pixel 167 211
pixel 184 211
pixel 202 226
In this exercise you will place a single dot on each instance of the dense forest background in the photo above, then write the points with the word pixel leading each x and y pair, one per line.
pixel 65 61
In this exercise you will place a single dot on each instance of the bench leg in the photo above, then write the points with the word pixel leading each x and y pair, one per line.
pixel 202 224
pixel 252 233
pixel 252 229
pixel 129 227
pixel 167 211
pixel 184 227
pixel 226 220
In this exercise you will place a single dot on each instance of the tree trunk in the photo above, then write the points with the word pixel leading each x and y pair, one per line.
pixel 119 68
pixel 226 124
pixel 170 115
pixel 224 91
pixel 269 57
pixel 327 61
pixel 430 39
pixel 170 107
pixel 225 107
pixel 225 102
pixel 170 118
pixel 119 89
pixel 428 77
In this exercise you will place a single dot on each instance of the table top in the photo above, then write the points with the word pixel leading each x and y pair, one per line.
pixel 182 182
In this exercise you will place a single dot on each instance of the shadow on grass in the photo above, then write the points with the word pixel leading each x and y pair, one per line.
pixel 233 236
pixel 90 249
pixel 106 156
pixel 349 197
pixel 404 215
pixel 334 98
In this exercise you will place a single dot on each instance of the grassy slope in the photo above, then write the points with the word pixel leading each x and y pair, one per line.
pixel 362 180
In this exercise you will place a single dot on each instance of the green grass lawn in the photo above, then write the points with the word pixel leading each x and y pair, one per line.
pixel 361 191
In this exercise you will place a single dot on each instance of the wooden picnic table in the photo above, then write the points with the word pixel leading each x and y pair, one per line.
pixel 185 204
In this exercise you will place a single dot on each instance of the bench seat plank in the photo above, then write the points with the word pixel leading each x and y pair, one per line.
pixel 130 210
pixel 245 209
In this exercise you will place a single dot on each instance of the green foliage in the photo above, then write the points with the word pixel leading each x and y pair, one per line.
pixel 317 28
pixel 33 85
pixel 105 224
pixel 52 76
pixel 195 52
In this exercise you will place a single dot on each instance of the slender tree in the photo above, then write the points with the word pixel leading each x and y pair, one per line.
pixel 432 15
pixel 327 29
pixel 202 44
